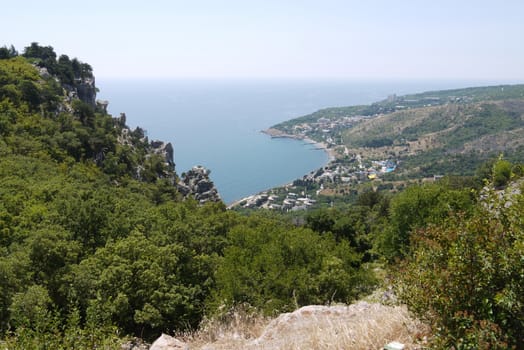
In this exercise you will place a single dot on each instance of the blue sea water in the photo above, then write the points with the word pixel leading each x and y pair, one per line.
pixel 217 124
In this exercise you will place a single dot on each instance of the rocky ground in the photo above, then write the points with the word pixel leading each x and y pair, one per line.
pixel 358 326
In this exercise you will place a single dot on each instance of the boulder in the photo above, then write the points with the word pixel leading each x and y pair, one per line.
pixel 102 105
pixel 197 184
pixel 166 342
pixel 359 326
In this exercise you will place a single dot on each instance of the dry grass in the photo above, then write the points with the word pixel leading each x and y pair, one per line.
pixel 358 326
pixel 234 329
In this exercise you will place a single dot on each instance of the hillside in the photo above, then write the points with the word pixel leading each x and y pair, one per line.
pixel 394 103
pixel 427 134
pixel 409 138
pixel 399 141
pixel 102 242
pixel 450 139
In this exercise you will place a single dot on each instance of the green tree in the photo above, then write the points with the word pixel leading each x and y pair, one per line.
pixel 416 207
pixel 65 70
pixel 6 53
pixel 30 93
pixel 465 276
pixel 501 173
pixel 84 113
pixel 277 268
pixel 30 309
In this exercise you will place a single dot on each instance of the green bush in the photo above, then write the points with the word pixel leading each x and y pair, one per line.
pixel 277 268
pixel 416 207
pixel 465 277
pixel 501 173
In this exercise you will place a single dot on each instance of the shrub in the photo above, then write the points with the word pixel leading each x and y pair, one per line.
pixel 465 276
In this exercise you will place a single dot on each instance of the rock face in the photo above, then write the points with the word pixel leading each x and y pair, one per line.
pixel 345 326
pixel 166 342
pixel 165 150
pixel 359 326
pixel 83 89
pixel 86 91
pixel 102 105
pixel 196 183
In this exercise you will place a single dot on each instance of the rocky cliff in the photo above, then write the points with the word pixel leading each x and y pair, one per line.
pixel 197 184
pixel 86 90
pixel 194 183
pixel 146 160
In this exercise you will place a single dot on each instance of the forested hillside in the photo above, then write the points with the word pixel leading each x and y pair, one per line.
pixel 454 138
pixel 426 134
pixel 98 244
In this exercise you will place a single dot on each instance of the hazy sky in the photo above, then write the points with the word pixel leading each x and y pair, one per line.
pixel 352 39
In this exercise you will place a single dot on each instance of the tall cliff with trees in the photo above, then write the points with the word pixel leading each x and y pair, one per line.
pixel 97 242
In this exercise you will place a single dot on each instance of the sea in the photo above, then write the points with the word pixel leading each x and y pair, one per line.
pixel 218 123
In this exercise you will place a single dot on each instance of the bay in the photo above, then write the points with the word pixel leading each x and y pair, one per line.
pixel 217 123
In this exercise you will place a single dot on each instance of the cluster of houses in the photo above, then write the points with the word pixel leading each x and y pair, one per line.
pixel 285 199
pixel 345 171
pixel 336 173
pixel 290 202
pixel 326 127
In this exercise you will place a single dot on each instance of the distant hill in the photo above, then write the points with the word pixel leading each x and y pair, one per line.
pixel 436 132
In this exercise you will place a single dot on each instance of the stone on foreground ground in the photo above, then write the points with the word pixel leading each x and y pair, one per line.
pixel 166 342
pixel 358 326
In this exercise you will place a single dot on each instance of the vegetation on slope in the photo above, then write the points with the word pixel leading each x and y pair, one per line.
pixel 433 133
pixel 395 103
pixel 92 250
pixel 465 276
pixel 451 139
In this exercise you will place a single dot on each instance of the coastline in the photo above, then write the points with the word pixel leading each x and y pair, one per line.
pixel 275 133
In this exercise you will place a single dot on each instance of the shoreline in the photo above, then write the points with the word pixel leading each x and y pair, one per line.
pixel 275 133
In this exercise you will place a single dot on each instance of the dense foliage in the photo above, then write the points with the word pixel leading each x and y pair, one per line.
pixel 466 276
pixel 68 71
pixel 276 268
pixel 455 247
pixel 95 242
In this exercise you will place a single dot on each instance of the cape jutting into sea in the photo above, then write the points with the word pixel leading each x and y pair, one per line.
pixel 217 123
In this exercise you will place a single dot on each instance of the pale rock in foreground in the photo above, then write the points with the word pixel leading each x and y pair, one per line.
pixel 360 326
pixel 308 326
pixel 166 342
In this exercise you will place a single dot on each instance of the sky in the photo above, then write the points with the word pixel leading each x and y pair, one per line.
pixel 306 39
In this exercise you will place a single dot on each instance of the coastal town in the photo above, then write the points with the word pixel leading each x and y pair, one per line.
pixel 303 193
pixel 343 170
pixel 358 157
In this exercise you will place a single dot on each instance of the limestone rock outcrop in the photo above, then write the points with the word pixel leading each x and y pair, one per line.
pixel 86 90
pixel 196 183
pixel 165 150
pixel 369 323
pixel 102 105
pixel 166 342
